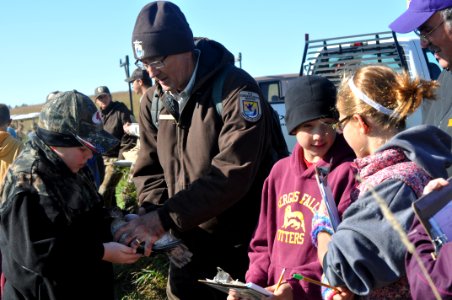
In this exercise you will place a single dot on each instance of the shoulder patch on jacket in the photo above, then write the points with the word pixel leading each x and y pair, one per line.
pixel 250 106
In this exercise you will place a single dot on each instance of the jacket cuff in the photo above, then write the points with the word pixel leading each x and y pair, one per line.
pixel 165 219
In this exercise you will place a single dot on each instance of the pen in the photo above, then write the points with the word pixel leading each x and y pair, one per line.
pixel 280 278
pixel 301 277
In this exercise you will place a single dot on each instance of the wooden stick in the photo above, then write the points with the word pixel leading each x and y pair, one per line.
pixel 301 277
pixel 280 278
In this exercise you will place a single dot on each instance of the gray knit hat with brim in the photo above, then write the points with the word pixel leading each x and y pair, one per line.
pixel 160 30
pixel 71 119
pixel 310 97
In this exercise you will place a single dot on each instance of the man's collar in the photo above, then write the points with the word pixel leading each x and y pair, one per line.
pixel 185 94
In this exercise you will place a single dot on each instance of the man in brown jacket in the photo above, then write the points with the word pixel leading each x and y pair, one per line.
pixel 200 171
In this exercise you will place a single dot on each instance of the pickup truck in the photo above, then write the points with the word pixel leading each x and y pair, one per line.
pixel 331 57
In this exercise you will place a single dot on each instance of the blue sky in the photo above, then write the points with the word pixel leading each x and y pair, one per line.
pixel 52 45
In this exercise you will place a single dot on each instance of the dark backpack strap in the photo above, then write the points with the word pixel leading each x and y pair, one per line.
pixel 155 109
pixel 217 89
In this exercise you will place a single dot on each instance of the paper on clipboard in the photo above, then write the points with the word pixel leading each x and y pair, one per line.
pixel 327 195
pixel 244 290
pixel 223 282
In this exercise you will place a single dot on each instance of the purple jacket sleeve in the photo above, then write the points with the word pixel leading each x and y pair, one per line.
pixel 260 246
pixel 439 269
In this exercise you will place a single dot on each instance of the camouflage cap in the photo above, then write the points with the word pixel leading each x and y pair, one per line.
pixel 73 116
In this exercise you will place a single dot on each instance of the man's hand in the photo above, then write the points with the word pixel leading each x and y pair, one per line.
pixel 145 229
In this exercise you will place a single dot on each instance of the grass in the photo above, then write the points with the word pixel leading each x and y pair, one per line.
pixel 146 279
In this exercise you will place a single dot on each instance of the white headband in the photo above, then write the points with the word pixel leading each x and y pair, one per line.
pixel 369 101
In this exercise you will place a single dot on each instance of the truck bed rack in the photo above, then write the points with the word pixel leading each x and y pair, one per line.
pixel 334 57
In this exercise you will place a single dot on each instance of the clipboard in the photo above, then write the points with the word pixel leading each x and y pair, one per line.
pixel 434 211
pixel 321 174
pixel 223 282
pixel 245 290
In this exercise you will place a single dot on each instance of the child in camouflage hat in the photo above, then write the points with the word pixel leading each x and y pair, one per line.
pixel 54 232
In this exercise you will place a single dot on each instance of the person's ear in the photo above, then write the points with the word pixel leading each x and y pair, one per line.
pixel 363 127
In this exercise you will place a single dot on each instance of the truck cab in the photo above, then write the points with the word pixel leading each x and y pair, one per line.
pixel 274 89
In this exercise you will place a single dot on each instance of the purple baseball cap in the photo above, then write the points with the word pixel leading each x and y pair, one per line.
pixel 418 12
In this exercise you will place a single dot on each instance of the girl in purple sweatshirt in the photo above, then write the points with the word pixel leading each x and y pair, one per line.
pixel 291 195
pixel 438 266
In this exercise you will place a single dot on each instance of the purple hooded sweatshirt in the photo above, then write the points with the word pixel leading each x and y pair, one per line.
pixel 289 199
pixel 439 269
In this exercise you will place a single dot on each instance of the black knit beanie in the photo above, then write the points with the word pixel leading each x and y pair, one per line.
pixel 310 97
pixel 161 29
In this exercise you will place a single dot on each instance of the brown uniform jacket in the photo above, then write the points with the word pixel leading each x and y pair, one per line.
pixel 207 170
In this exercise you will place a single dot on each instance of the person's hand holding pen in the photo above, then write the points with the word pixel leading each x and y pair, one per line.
pixel 343 294
pixel 339 293
pixel 283 292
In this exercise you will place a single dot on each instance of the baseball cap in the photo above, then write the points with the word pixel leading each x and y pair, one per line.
pixel 418 12
pixel 101 90
pixel 71 119
pixel 138 74
pixel 309 98
pixel 161 30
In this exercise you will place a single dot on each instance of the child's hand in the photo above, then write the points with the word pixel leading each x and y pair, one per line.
pixel 119 254
pixel 234 295
pixel 345 294
pixel 284 292
pixel 435 184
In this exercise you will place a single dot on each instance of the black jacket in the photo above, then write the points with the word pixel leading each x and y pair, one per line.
pixel 114 118
pixel 52 229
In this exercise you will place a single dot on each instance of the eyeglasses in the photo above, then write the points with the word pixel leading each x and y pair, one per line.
pixel 339 126
pixel 426 37
pixel 156 64
pixel 329 125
